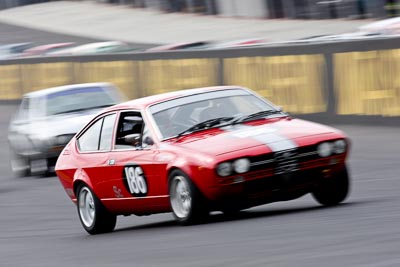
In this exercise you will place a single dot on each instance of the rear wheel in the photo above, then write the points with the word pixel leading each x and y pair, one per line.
pixel 186 201
pixel 334 190
pixel 93 215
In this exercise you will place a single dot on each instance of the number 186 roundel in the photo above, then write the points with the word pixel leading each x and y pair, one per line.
pixel 195 151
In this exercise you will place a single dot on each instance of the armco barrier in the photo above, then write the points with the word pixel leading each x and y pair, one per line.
pixel 354 81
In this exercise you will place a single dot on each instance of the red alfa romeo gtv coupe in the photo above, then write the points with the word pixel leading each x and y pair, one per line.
pixel 195 151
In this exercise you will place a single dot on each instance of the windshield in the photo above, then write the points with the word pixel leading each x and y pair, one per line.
pixel 184 114
pixel 78 99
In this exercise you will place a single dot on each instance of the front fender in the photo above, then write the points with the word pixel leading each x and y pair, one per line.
pixel 200 171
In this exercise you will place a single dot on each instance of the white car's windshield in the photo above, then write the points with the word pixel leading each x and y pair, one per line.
pixel 78 99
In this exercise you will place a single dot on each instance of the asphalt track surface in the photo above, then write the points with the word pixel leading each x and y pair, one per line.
pixel 39 225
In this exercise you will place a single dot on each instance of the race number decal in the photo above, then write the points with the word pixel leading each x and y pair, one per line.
pixel 135 180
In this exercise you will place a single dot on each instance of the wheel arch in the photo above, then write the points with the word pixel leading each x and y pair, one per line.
pixel 80 178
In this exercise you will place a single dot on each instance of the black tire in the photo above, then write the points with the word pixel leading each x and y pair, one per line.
pixel 333 190
pixel 93 215
pixel 187 203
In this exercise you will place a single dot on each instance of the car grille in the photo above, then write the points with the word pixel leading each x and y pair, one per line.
pixel 286 161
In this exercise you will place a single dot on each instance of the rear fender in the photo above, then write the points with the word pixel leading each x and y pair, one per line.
pixel 81 177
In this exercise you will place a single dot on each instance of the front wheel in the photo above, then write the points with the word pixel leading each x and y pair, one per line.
pixel 93 215
pixel 186 201
pixel 333 191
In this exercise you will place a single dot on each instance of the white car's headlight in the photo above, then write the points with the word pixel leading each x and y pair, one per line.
pixel 339 146
pixel 324 149
pixel 224 169
pixel 40 142
pixel 241 165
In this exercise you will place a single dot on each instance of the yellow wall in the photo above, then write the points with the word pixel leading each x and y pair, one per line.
pixel 10 82
pixel 365 83
pixel 368 83
pixel 121 73
pixel 160 76
pixel 134 78
pixel 294 82
pixel 39 76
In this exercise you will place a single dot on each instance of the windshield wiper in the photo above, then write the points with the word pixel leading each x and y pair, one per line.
pixel 260 114
pixel 205 125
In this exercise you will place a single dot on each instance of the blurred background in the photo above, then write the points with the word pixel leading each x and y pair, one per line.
pixel 335 62
pixel 294 9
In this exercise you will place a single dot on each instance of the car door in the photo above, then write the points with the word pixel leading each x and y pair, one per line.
pixel 136 178
pixel 94 145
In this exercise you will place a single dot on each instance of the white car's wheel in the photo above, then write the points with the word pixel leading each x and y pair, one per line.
pixel 94 217
pixel 186 201
pixel 333 191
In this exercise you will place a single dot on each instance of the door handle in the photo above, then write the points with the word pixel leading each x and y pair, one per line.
pixel 111 162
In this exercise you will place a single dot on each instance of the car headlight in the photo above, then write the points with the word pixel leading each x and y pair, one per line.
pixel 241 165
pixel 339 146
pixel 63 139
pixel 38 142
pixel 224 169
pixel 324 149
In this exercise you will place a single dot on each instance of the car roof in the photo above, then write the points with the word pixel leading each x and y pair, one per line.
pixel 13 45
pixel 141 103
pixel 93 46
pixel 177 46
pixel 51 90
pixel 48 46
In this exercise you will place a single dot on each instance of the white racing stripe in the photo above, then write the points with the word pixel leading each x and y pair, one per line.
pixel 266 135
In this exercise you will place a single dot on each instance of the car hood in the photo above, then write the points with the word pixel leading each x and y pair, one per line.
pixel 273 135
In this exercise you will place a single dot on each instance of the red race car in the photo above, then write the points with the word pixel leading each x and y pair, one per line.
pixel 195 151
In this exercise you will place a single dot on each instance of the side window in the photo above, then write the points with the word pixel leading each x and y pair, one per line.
pixel 89 141
pixel 106 132
pixel 129 132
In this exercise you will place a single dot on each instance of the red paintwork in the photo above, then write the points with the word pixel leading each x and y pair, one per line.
pixel 196 154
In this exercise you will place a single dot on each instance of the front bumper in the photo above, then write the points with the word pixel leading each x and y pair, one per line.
pixel 266 186
pixel 43 152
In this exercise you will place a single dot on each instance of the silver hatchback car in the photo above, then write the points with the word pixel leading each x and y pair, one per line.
pixel 47 119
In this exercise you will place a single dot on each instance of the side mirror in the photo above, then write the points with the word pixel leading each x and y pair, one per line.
pixel 148 141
